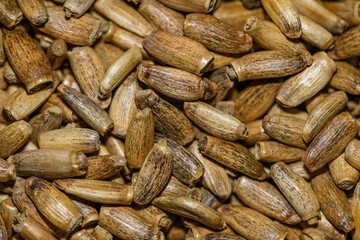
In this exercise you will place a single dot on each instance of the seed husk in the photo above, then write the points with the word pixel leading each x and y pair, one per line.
pixel 47 200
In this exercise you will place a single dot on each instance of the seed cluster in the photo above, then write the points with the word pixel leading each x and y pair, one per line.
pixel 178 119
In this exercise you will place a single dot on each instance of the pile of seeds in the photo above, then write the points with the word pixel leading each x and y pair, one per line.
pixel 178 119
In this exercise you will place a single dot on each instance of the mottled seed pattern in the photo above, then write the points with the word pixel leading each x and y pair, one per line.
pixel 179 119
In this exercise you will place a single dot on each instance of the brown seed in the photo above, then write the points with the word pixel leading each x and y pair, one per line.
pixel 88 210
pixel 323 113
pixel 256 133
pixel 57 53
pixel 259 95
pixel 266 199
pixel 186 167
pixel 13 137
pixel 154 173
pixel 123 108
pixel 176 232
pixel 285 15
pixel 104 166
pixel 193 57
pixel 123 38
pixel 269 64
pixel 221 78
pixel 214 121
pixel 11 14
pixel 168 119
pixel 306 84
pixel 215 34
pixel 7 213
pixel 53 204
pixel 268 35
pixel 155 215
pixel 83 234
pixel 89 111
pixel 117 220
pixel 330 142
pixel 29 228
pixel 76 8
pixel 97 191
pixel 227 107
pixel 89 72
pixel 107 53
pixel 172 82
pixel 202 6
pixel 44 40
pixel 4 96
pixel 28 60
pixel 175 187
pixel 198 231
pixel 7 171
pixel 232 155
pixel 347 10
pixel 24 204
pixel 209 199
pixel 215 177
pixel 344 175
pixel 314 101
pixel 49 163
pixel 21 103
pixel 235 14
pixel 68 115
pixel 312 233
pixel 162 17
pixel 346 45
pixel 250 223
pixel 315 35
pixel 355 208
pixel 49 119
pixel 322 16
pixel 276 109
pixel 124 16
pixel 352 153
pixel 139 138
pixel 273 151
pixel 346 78
pixel 333 202
pixel 297 191
pixel 115 146
pixel 189 208
pixel 330 231
pixel 101 234
pixel 285 129
pixel 300 169
pixel 220 60
pixel 34 10
pixel 29 146
pixel 78 31
pixel 103 150
pixel 77 139
pixel 2 50
pixel 118 71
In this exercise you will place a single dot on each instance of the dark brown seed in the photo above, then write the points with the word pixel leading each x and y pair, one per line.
pixel 154 173
pixel 215 34
pixel 232 155
pixel 28 60
pixel 330 142
pixel 168 119
pixel 333 202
